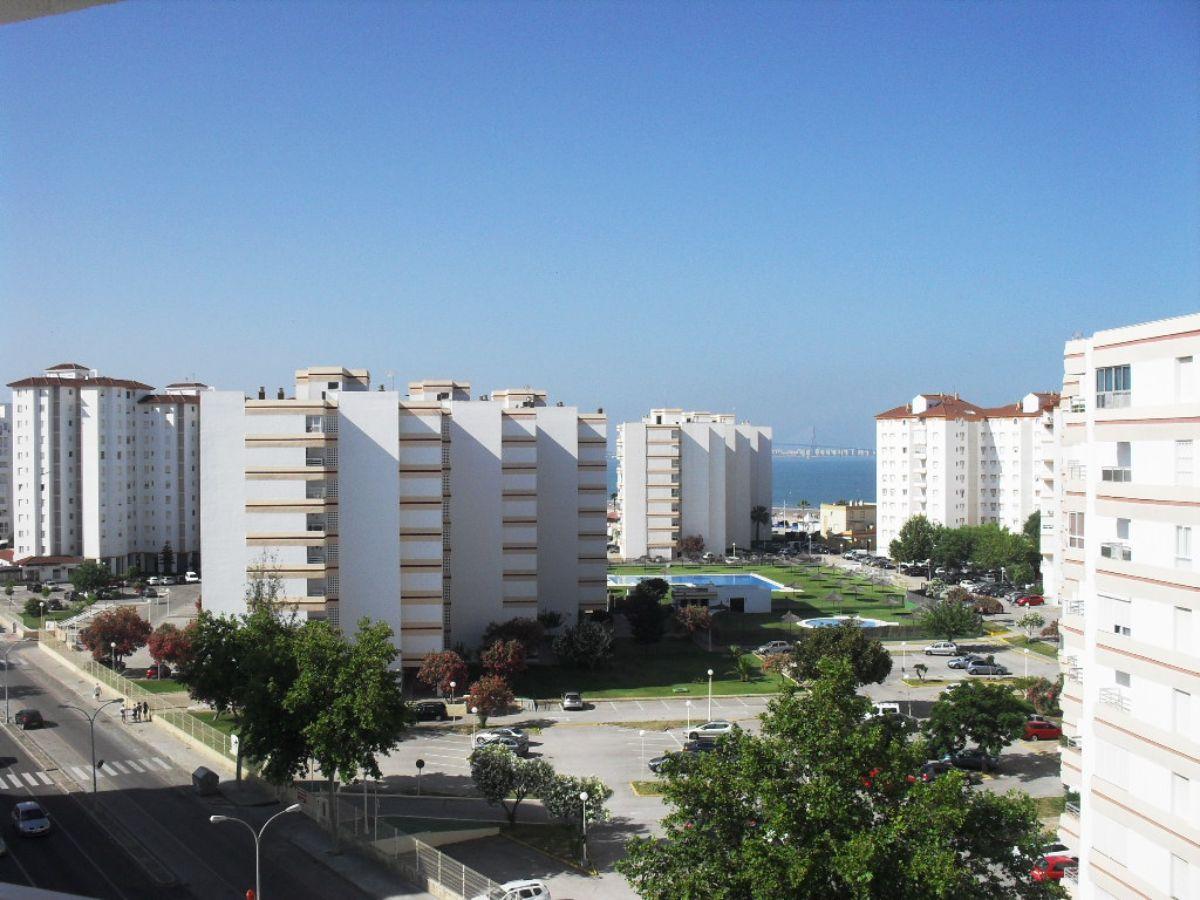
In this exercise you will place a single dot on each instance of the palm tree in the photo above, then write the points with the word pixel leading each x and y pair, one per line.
pixel 759 515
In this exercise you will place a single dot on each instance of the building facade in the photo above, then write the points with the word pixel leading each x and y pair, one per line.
pixel 958 464
pixel 105 468
pixel 690 473
pixel 852 522
pixel 432 511
pixel 6 475
pixel 1121 551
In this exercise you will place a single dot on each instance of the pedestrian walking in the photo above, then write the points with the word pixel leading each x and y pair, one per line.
pixel 123 713
pixel 146 710
pixel 96 692
pixel 136 710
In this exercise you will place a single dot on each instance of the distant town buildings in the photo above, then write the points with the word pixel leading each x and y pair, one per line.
pixel 105 468
pixel 957 463
pixel 1119 552
pixel 434 512
pixel 681 474
pixel 852 522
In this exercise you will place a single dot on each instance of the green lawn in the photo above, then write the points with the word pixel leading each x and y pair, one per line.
pixel 1050 806
pixel 225 723
pixel 159 685
pixel 53 616
pixel 1035 646
pixel 557 840
pixel 672 667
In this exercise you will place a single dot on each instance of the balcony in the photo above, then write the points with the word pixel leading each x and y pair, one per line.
pixel 1112 399
pixel 1074 607
pixel 1077 472
pixel 1116 550
pixel 1072 808
pixel 1112 696
pixel 1071 875
pixel 1074 742
pixel 1116 474
pixel 1077 405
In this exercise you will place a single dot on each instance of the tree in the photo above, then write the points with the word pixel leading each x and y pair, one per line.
pixel 1033 528
pixel 33 606
pixel 746 669
pixel 1043 694
pixel 588 645
pixel 270 734
pixel 167 555
pixel 1031 621
pixel 645 614
pixel 759 515
pixel 868 659
pixel 921 669
pixel 692 545
pixel 821 805
pixel 915 541
pixel 211 670
pixel 987 606
pixel 528 631
pixel 694 618
pixel 120 625
pixel 949 619
pixel 439 669
pixel 1050 632
pixel 348 698
pixel 90 576
pixel 490 695
pixel 504 658
pixel 8 590
pixel 952 548
pixel 987 714
pixel 505 779
pixel 168 644
pixel 560 798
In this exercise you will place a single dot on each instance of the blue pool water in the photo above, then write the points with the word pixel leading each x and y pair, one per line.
pixel 835 621
pixel 731 580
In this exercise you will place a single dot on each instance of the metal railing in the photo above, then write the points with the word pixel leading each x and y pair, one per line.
pixel 1075 742
pixel 1112 399
pixel 1078 405
pixel 1071 874
pixel 1071 809
pixel 1077 472
pixel 1115 697
pixel 1075 607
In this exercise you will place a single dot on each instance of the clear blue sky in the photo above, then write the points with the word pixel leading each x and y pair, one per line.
pixel 806 211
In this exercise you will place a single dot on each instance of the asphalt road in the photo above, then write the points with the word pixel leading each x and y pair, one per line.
pixel 145 801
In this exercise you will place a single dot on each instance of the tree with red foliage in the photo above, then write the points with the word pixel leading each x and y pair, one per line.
pixel 439 669
pixel 169 644
pixel 694 618
pixel 504 658
pixel 489 695
pixel 121 626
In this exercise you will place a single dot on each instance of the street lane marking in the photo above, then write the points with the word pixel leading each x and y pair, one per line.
pixel 16 782
pixel 159 762
pixel 134 766
pixel 45 778
pixel 80 774
pixel 32 781
pixel 116 766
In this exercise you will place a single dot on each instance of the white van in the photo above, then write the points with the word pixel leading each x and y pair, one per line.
pixel 191 578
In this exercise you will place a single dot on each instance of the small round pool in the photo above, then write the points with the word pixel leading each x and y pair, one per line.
pixel 835 621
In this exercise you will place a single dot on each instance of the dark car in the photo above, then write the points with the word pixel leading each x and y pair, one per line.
pixel 431 711
pixel 961 662
pixel 931 770
pixel 159 671
pixel 974 759
pixel 691 750
pixel 29 718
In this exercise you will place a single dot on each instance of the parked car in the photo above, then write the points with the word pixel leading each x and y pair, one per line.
pixel 496 735
pixel 572 700
pixel 431 711
pixel 149 592
pixel 159 671
pixel 961 662
pixel 973 758
pixel 527 889
pixel 1031 600
pixel 689 751
pixel 886 707
pixel 774 647
pixel 191 578
pixel 986 668
pixel 30 820
pixel 710 731
pixel 169 579
pixel 1041 730
pixel 29 718
pixel 709 557
pixel 1052 868
pixel 931 770
pixel 154 579
pixel 942 648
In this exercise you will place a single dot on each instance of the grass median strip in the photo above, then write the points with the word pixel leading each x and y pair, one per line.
pixel 647 788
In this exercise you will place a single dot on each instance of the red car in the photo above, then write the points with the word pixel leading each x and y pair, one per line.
pixel 1032 600
pixel 1041 730
pixel 159 670
pixel 1051 868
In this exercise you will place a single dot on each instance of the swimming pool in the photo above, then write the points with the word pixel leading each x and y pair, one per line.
pixel 835 621
pixel 711 580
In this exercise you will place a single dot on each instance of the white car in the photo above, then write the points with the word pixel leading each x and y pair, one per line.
pixel 942 648
pixel 887 707
pixel 191 578
pixel 774 647
pixel 572 700
pixel 502 735
pixel 531 889
pixel 154 580
pixel 710 730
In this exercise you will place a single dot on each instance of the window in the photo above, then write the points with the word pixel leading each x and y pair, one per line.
pixel 1112 387
pixel 1185 379
pixel 1075 530
pixel 1121 679
pixel 1183 545
pixel 1121 616
pixel 1183 463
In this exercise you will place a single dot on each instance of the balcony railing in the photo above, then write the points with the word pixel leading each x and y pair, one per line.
pixel 1116 550
pixel 1075 607
pixel 1078 405
pixel 1071 875
pixel 1115 697
pixel 1077 472
pixel 1112 399
pixel 1075 742
pixel 1117 474
pixel 1072 809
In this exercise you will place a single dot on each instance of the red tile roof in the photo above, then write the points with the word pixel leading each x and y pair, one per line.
pixel 169 398
pixel 66 366
pixel 951 406
pixel 7 555
pixel 187 384
pixel 51 381
pixel 50 561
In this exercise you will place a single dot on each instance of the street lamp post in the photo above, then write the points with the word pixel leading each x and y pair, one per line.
pixel 6 652
pixel 474 719
pixel 584 797
pixel 642 735
pixel 453 685
pixel 257 839
pixel 688 704
pixel 710 675
pixel 112 645
pixel 1025 654
pixel 91 717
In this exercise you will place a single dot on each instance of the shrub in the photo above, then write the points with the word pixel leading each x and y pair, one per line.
pixel 588 645
pixel 528 631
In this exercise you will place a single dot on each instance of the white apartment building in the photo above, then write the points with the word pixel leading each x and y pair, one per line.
pixel 433 512
pixel 1122 549
pixel 958 464
pixel 104 468
pixel 690 473
pixel 5 474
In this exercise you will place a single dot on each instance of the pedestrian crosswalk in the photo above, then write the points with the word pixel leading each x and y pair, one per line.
pixel 109 768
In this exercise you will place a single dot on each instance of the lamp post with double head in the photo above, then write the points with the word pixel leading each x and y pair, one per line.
pixel 257 840
pixel 91 717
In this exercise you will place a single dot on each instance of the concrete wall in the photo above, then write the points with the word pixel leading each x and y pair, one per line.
pixel 223 514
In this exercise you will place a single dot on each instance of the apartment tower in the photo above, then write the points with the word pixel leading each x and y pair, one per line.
pixel 432 511
pixel 681 474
